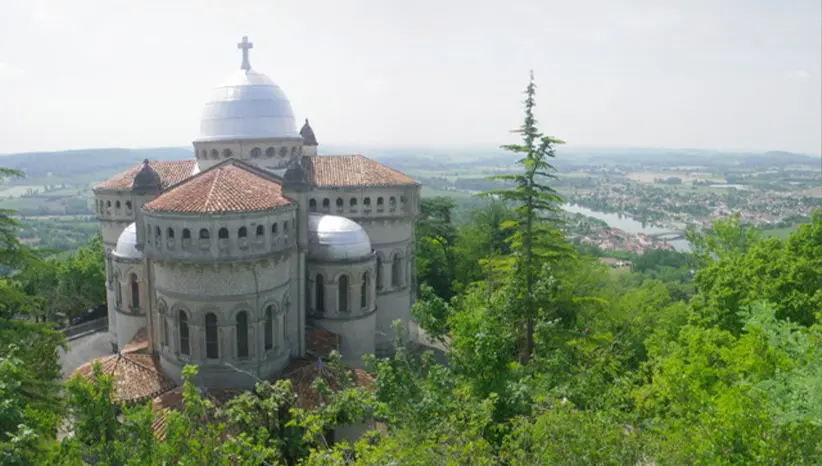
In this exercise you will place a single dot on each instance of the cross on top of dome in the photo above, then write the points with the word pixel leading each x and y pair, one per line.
pixel 245 46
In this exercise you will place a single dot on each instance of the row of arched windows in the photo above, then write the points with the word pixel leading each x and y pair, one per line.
pixel 396 271
pixel 271 333
pixel 256 152
pixel 104 207
pixel 134 289
pixel 343 293
pixel 223 233
pixel 352 204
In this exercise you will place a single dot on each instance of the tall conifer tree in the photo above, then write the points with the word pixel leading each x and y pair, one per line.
pixel 536 239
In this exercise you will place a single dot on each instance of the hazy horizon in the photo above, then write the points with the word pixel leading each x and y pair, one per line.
pixel 732 76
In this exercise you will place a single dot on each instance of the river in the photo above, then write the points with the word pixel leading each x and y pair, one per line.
pixel 628 224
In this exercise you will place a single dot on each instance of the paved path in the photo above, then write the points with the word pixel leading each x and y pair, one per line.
pixel 83 350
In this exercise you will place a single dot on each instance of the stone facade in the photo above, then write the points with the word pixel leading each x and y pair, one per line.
pixel 226 258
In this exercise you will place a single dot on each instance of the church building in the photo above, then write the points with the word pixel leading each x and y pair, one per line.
pixel 244 258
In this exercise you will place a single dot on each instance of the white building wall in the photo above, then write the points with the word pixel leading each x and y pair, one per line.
pixel 356 324
pixel 226 289
pixel 269 154
pixel 130 315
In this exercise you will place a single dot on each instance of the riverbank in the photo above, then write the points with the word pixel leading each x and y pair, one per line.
pixel 626 233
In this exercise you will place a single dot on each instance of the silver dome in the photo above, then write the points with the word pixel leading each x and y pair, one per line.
pixel 127 244
pixel 334 238
pixel 247 106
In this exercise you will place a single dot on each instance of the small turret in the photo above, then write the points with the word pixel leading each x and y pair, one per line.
pixel 147 179
pixel 309 139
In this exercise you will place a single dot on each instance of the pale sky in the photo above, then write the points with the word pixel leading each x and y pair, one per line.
pixel 718 74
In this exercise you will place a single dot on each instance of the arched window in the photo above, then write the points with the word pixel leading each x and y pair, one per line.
pixel 242 334
pixel 270 152
pixel 342 289
pixel 117 205
pixel 274 228
pixel 128 205
pixel 256 152
pixel 243 232
pixel 285 227
pixel 135 291
pixel 364 291
pixel 340 203
pixel 186 233
pixel 269 328
pixel 157 233
pixel 226 153
pixel 223 233
pixel 319 305
pixel 353 202
pixel 379 203
pixel 184 341
pixel 392 203
pixel 118 290
pixel 379 272
pixel 293 151
pixel 204 234
pixel 170 233
pixel 283 151
pixel 162 310
pixel 312 205
pixel 326 203
pixel 396 270
pixel 215 154
pixel 366 203
pixel 164 321
pixel 212 341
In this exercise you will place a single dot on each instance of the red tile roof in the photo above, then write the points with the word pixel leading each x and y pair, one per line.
pixel 137 377
pixel 338 171
pixel 223 188
pixel 171 172
pixel 303 372
pixel 139 342
pixel 320 342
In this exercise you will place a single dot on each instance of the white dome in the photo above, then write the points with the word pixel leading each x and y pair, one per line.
pixel 247 106
pixel 333 238
pixel 127 244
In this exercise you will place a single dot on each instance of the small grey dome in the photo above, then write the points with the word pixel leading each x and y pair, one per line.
pixel 309 139
pixel 147 178
pixel 334 238
pixel 127 244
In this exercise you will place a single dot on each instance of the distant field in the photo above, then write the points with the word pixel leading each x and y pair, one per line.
pixel 781 233
pixel 19 190
pixel 431 192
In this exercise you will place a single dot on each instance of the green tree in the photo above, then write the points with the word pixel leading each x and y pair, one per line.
pixel 536 239
pixel 435 238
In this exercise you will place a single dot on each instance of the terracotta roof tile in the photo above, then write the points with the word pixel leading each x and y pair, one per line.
pixel 303 372
pixel 171 172
pixel 225 188
pixel 139 342
pixel 137 377
pixel 338 171
pixel 320 342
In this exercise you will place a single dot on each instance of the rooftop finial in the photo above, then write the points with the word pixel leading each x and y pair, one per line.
pixel 245 46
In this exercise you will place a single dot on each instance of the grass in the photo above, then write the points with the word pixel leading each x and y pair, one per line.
pixel 781 233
